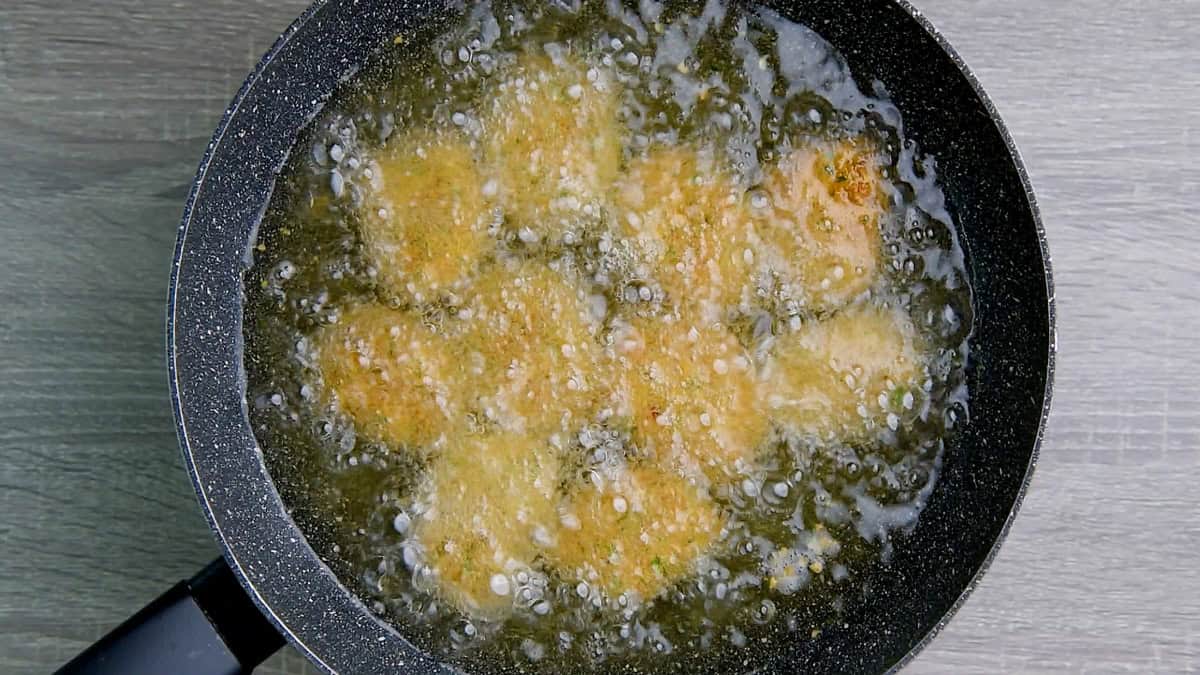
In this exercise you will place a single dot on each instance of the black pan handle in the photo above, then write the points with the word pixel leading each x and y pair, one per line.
pixel 204 626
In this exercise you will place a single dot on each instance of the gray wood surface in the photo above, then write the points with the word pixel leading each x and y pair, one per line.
pixel 105 108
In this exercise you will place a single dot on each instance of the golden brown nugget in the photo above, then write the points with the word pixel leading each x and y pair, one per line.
pixel 426 227
pixel 529 344
pixel 692 393
pixel 845 376
pixel 390 374
pixel 827 202
pixel 687 217
pixel 636 535
pixel 553 143
pixel 492 509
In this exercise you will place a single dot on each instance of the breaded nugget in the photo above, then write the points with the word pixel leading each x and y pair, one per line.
pixel 426 227
pixel 492 508
pixel 688 219
pixel 692 393
pixel 824 223
pixel 530 345
pixel 553 144
pixel 390 374
pixel 636 535
pixel 845 376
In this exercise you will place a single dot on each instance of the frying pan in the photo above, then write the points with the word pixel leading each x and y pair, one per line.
pixel 270 584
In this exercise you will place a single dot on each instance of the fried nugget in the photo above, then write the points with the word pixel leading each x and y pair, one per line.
pixel 688 219
pixel 845 376
pixel 636 535
pixel 530 344
pixel 492 508
pixel 826 202
pixel 553 143
pixel 692 393
pixel 392 375
pixel 426 226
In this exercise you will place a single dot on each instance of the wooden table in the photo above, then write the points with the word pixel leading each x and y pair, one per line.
pixel 105 109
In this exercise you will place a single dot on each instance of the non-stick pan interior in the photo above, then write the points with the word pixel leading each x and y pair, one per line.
pixel 901 602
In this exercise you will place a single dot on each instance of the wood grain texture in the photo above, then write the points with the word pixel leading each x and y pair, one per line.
pixel 105 108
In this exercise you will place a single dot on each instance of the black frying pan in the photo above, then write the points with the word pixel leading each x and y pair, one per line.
pixel 271 583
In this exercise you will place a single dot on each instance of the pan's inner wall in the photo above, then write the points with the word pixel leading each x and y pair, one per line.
pixel 982 476
pixel 234 183
pixel 985 470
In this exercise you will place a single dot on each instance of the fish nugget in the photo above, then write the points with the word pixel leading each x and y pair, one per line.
pixel 426 226
pixel 692 394
pixel 688 220
pixel 392 375
pixel 827 202
pixel 529 342
pixel 846 376
pixel 636 535
pixel 492 507
pixel 553 142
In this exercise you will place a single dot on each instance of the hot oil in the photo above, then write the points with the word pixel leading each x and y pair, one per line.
pixel 803 516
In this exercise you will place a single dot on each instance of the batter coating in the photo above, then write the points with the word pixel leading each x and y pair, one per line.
pixel 492 509
pixel 553 145
pixel 529 344
pixel 688 220
pixel 846 376
pixel 826 202
pixel 426 226
pixel 636 535
pixel 691 391
pixel 391 374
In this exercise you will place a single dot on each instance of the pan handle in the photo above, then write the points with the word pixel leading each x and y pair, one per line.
pixel 204 626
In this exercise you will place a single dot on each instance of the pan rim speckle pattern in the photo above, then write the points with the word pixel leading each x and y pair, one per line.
pixel 283 576
pixel 1052 352
pixel 251 579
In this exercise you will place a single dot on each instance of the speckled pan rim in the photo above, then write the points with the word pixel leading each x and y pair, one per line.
pixel 338 595
pixel 1052 337
pixel 181 426
pixel 419 662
